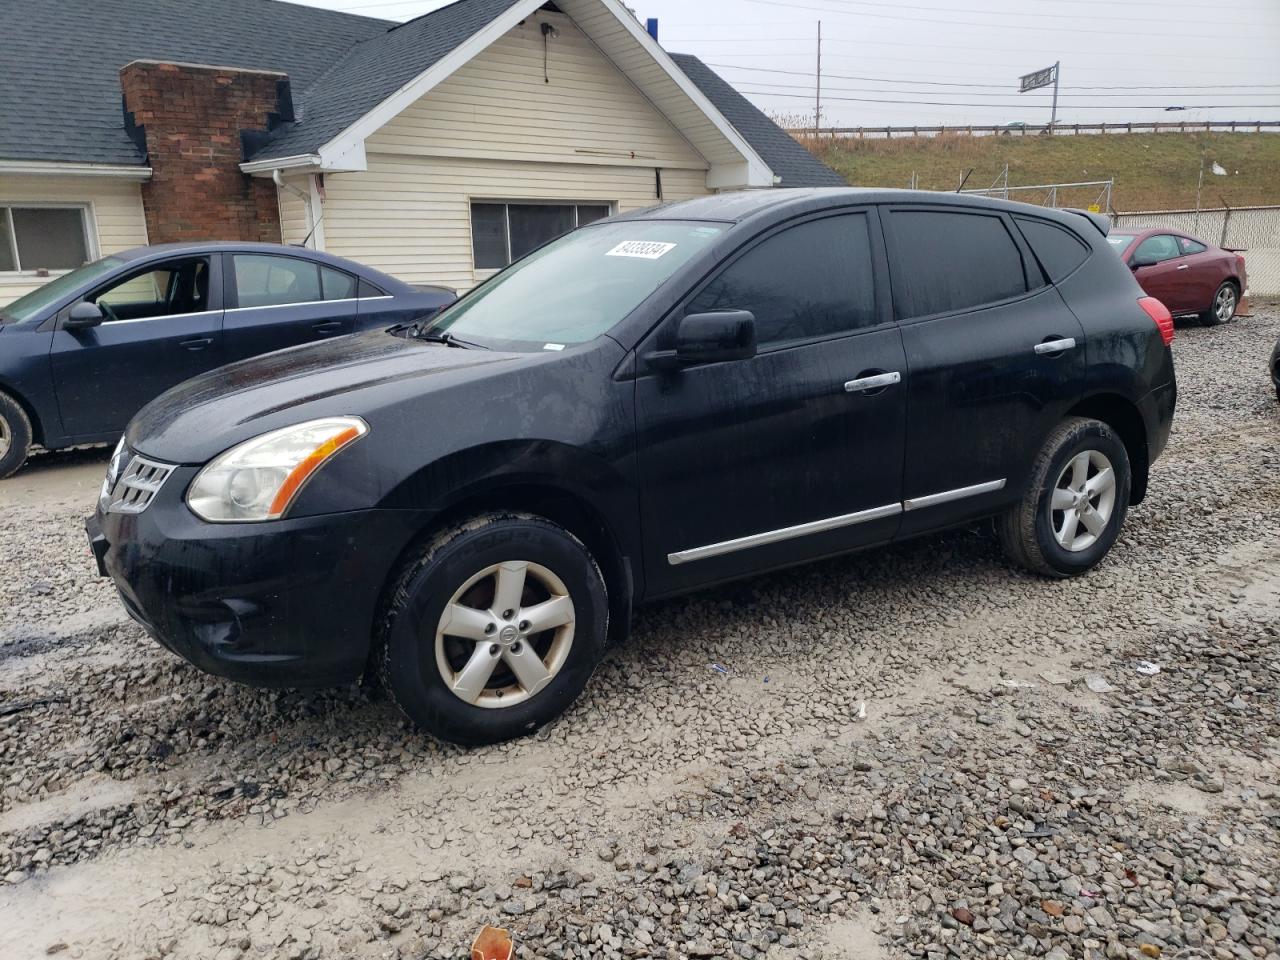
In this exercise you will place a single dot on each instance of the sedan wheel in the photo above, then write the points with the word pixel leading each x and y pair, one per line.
pixel 493 628
pixel 1224 306
pixel 15 436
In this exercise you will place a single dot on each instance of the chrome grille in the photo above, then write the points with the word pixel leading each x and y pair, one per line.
pixel 138 485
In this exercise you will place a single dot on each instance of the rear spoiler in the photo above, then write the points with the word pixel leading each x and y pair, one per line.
pixel 1099 220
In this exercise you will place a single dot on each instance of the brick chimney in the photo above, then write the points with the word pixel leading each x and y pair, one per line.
pixel 190 119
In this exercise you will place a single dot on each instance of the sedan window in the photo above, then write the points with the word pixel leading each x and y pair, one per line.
pixel 267 280
pixel 1157 248
pixel 177 286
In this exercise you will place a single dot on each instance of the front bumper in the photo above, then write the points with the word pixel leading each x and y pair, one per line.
pixel 284 603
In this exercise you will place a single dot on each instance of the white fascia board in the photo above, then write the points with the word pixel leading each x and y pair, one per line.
pixel 758 172
pixel 46 168
pixel 353 137
pixel 263 168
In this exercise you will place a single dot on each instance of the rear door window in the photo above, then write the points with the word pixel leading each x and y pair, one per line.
pixel 270 281
pixel 811 280
pixel 946 261
pixel 1058 249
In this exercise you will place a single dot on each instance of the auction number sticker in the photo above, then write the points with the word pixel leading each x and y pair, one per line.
pixel 641 249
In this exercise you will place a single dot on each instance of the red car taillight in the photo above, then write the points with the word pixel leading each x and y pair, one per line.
pixel 1160 315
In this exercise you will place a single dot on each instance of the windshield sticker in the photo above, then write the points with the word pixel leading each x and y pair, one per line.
pixel 1117 240
pixel 641 249
pixel 553 346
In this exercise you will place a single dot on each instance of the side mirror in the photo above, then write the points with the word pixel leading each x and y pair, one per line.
pixel 83 315
pixel 715 337
pixel 1138 261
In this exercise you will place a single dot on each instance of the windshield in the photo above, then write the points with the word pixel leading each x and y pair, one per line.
pixel 37 301
pixel 1120 241
pixel 578 287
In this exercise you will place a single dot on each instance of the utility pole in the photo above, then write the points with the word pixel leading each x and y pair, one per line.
pixel 1053 116
pixel 817 102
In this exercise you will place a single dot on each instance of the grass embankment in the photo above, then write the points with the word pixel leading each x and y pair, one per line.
pixel 1152 171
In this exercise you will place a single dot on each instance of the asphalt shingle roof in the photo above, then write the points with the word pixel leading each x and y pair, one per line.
pixel 60 61
pixel 788 159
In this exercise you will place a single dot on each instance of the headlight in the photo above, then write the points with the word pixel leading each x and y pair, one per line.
pixel 258 479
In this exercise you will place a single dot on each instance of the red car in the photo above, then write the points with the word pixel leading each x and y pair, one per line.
pixel 1187 275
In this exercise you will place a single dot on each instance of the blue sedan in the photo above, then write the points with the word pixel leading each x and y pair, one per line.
pixel 82 354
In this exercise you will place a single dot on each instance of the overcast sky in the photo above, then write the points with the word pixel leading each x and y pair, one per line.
pixel 957 61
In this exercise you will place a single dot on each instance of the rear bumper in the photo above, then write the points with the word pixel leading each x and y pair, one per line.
pixel 285 603
pixel 1157 415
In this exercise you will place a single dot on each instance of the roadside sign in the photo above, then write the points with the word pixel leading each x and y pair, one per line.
pixel 1041 78
pixel 1094 208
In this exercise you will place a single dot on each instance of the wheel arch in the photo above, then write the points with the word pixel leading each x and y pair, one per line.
pixel 33 417
pixel 552 501
pixel 1122 416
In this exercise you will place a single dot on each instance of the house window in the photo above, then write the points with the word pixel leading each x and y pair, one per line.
pixel 43 238
pixel 503 232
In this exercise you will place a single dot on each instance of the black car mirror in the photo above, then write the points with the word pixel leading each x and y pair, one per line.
pixel 82 316
pixel 716 337
pixel 1143 261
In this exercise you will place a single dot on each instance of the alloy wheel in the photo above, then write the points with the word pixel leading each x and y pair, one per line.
pixel 1083 500
pixel 6 437
pixel 505 634
pixel 1224 305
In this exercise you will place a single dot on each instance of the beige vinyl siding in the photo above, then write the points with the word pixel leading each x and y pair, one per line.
pixel 499 106
pixel 116 220
pixel 411 216
pixel 293 213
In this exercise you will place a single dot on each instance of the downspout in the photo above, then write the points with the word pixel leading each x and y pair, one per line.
pixel 303 195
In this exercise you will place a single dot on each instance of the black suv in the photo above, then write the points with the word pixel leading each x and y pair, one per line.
pixel 471 505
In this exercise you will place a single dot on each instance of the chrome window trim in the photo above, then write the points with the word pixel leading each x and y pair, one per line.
pixel 959 493
pixel 784 533
pixel 163 316
pixel 299 303
pixel 831 523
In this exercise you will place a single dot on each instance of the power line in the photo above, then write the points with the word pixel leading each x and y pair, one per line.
pixel 1007 91
pixel 1020 106
pixel 1006 87
pixel 998 13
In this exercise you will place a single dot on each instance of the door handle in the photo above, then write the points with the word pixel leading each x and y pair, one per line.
pixel 197 344
pixel 327 326
pixel 1185 266
pixel 875 381
pixel 1055 346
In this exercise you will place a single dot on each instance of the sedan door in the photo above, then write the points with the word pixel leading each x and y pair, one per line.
pixel 797 452
pixel 277 301
pixel 162 324
pixel 1163 272
pixel 996 359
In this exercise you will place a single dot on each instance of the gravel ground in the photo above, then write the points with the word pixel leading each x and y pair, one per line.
pixel 915 752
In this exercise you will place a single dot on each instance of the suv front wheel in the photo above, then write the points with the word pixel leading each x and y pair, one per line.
pixel 1075 504
pixel 493 628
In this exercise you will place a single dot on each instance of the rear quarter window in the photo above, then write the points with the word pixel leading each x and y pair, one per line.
pixel 947 261
pixel 1059 250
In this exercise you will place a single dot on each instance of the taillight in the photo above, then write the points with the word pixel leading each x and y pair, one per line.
pixel 1160 314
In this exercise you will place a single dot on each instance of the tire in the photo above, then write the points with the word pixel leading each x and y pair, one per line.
pixel 1032 532
pixel 1223 306
pixel 460 570
pixel 15 436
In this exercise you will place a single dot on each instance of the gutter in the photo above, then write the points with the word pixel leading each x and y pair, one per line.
pixel 282 163
pixel 45 168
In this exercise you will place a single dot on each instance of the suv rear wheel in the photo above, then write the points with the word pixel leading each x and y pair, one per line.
pixel 15 436
pixel 1075 504
pixel 493 629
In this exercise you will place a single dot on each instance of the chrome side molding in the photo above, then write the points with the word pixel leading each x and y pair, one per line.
pixel 784 533
pixel 946 496
pixel 831 523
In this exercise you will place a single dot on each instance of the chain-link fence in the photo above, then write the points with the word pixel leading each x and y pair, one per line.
pixel 1253 230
